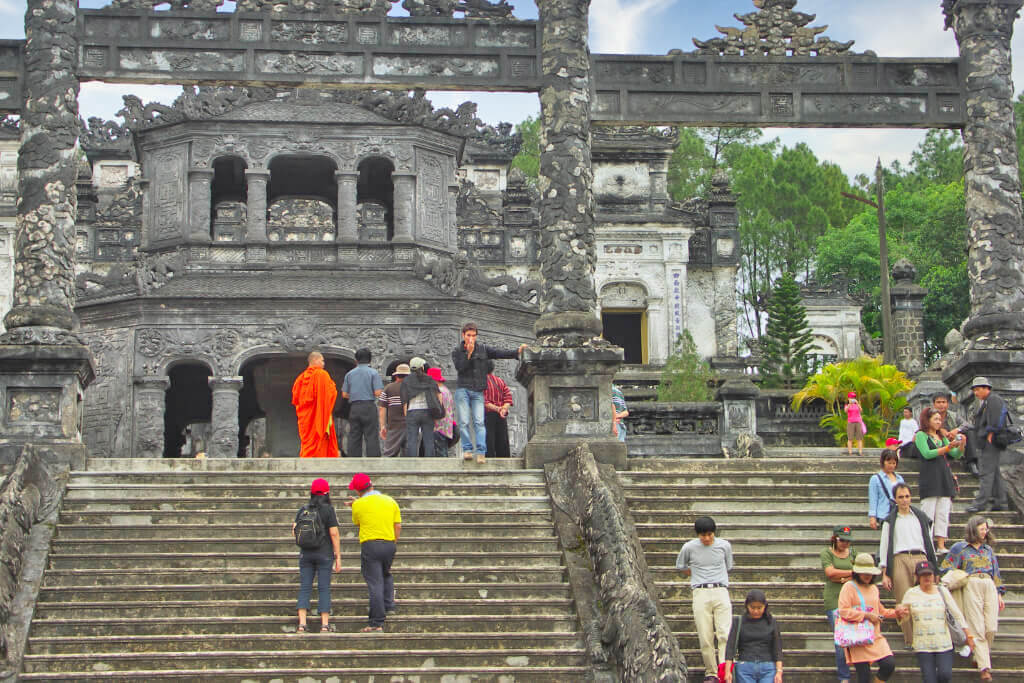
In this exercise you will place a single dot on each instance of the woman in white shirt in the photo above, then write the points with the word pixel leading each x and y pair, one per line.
pixel 908 428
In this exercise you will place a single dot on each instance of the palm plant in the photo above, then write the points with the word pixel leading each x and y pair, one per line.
pixel 881 390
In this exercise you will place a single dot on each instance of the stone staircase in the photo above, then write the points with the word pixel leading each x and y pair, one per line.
pixel 778 513
pixel 186 570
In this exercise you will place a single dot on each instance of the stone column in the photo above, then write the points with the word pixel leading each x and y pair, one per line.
pixel 738 426
pixel 348 225
pixel 907 318
pixel 150 404
pixel 200 181
pixel 256 206
pixel 404 206
pixel 223 439
pixel 44 367
pixel 995 328
pixel 569 375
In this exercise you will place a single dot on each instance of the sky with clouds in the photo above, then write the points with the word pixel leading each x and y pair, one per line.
pixel 891 28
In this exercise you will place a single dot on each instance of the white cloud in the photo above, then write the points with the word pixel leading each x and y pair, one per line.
pixel 104 99
pixel 619 26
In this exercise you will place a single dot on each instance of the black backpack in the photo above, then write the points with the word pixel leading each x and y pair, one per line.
pixel 309 529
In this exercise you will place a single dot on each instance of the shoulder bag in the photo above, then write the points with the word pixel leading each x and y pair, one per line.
pixel 956 632
pixel 853 633
pixel 736 647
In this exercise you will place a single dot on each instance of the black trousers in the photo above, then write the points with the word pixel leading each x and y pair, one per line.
pixel 497 436
pixel 363 425
pixel 375 561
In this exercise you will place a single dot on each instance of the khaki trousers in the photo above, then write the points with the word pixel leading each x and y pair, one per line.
pixel 981 610
pixel 903 578
pixel 712 614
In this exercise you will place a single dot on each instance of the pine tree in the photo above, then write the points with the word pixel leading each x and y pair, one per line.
pixel 787 341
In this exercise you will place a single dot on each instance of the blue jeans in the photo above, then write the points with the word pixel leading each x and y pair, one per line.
pixel 467 400
pixel 842 668
pixel 375 559
pixel 754 672
pixel 321 565
pixel 936 667
pixel 418 423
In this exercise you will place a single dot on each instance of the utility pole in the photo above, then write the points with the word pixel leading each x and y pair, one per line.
pixel 888 352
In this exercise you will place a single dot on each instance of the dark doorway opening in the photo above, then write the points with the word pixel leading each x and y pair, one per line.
pixel 187 412
pixel 626 329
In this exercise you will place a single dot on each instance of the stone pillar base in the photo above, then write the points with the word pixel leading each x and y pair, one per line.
pixel 41 390
pixel 1003 368
pixel 571 402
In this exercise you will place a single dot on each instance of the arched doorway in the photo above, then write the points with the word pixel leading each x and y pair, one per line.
pixel 189 404
pixel 267 396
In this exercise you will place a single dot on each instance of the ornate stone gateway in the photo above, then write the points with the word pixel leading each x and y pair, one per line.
pixel 776 70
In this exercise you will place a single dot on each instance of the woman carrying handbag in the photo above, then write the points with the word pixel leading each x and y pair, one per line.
pixel 927 604
pixel 858 603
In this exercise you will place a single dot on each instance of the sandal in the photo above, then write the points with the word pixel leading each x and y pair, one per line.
pixel 325 629
pixel 371 629
pixel 301 628
pixel 480 460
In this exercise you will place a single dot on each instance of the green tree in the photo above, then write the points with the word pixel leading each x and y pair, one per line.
pixel 686 375
pixel 528 158
pixel 699 153
pixel 787 340
pixel 880 390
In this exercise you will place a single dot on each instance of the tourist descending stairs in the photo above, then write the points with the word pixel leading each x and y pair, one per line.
pixel 778 513
pixel 186 570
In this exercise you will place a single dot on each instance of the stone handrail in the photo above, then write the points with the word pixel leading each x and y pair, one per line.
pixel 27 496
pixel 634 629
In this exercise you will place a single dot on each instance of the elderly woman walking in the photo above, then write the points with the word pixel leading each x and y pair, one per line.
pixel 983 592
pixel 926 605
pixel 859 601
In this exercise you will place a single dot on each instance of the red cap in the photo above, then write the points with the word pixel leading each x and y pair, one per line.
pixel 360 482
pixel 435 374
pixel 852 394
pixel 892 442
pixel 319 487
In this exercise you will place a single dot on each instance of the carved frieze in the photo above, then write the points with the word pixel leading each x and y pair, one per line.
pixel 431 193
pixel 443 67
pixel 181 61
pixel 308 63
pixel 105 424
pixel 309 32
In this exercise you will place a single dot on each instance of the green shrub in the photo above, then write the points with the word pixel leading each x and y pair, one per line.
pixel 686 375
pixel 880 390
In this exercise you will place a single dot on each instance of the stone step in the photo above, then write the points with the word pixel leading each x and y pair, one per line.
pixel 235 592
pixel 906 664
pixel 548 571
pixel 312 640
pixel 1013 577
pixel 299 483
pixel 189 545
pixel 715 483
pixel 703 505
pixel 773 558
pixel 326 655
pixel 656 526
pixel 414 551
pixel 1010 645
pixel 347 625
pixel 300 491
pixel 738 589
pixel 315 467
pixel 910 674
pixel 524 503
pixel 330 674
pixel 640 468
pixel 787 546
pixel 208 609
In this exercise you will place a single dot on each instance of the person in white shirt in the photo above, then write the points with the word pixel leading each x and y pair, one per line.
pixel 908 428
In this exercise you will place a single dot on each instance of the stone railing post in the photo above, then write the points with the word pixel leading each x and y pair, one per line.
pixel 150 403
pixel 739 418
pixel 256 205
pixel 200 183
pixel 44 367
pixel 995 327
pixel 348 223
pixel 223 440
pixel 404 206
pixel 907 318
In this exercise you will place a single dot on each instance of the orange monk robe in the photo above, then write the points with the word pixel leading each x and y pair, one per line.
pixel 313 396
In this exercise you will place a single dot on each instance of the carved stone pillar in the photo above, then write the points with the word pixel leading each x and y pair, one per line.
pixel 995 328
pixel 44 248
pixel 223 441
pixel 348 224
pixel 44 367
pixel 405 204
pixel 200 182
pixel 570 376
pixel 256 206
pixel 907 318
pixel 149 405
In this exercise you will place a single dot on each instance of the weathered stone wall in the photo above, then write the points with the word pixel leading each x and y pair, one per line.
pixel 27 495
pixel 635 630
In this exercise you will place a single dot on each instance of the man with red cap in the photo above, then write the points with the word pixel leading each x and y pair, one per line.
pixel 313 396
pixel 380 525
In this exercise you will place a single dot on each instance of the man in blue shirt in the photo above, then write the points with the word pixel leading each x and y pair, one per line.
pixel 361 387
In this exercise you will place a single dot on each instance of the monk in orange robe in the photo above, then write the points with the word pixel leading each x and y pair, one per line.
pixel 313 396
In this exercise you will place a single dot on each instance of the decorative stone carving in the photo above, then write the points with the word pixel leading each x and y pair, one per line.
pixel 292 219
pixel 223 441
pixel 448 8
pixel 431 196
pixel 44 289
pixel 447 274
pixel 373 221
pixel 775 30
pixel 148 410
pixel 106 425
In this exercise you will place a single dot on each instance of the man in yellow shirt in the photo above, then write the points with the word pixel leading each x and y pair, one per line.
pixel 380 524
